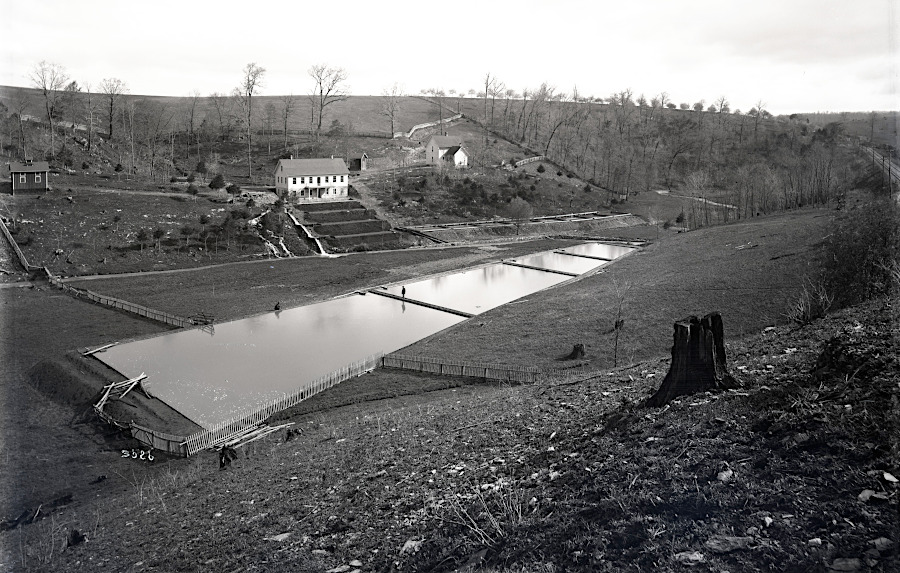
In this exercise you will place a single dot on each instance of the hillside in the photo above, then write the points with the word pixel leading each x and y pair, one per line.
pixel 796 470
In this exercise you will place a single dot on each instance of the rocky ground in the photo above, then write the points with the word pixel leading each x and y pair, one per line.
pixel 796 470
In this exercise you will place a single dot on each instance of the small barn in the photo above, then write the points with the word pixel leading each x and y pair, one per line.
pixel 29 175
pixel 447 148
pixel 360 163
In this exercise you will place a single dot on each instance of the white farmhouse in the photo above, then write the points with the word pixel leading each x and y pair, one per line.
pixel 446 148
pixel 312 179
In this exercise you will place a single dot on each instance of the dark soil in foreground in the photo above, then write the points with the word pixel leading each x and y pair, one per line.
pixel 795 471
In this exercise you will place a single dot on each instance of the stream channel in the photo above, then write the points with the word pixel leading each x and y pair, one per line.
pixel 213 374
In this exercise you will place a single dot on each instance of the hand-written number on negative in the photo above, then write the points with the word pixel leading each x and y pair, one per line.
pixel 138 454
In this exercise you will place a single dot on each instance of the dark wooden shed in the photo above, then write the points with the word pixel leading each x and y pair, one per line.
pixel 29 175
pixel 359 163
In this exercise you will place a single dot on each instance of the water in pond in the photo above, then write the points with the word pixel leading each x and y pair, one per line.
pixel 601 250
pixel 558 262
pixel 212 376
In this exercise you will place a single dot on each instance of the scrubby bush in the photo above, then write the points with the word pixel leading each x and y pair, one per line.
pixel 233 189
pixel 191 178
pixel 861 251
pixel 559 173
pixel 85 165
pixel 587 188
pixel 540 168
pixel 218 182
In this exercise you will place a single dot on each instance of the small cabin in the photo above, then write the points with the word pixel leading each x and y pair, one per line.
pixel 29 175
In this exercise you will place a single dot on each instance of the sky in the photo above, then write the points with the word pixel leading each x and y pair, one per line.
pixel 792 55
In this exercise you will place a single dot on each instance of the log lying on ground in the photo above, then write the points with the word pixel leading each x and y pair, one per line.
pixel 698 360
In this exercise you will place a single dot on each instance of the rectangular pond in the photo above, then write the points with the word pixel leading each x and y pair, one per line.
pixel 212 375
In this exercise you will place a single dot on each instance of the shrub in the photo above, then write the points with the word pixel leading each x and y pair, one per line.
pixel 680 218
pixel 233 189
pixel 218 182
pixel 173 179
pixel 587 188
pixel 667 224
pixel 85 165
pixel 559 173
pixel 191 178
pixel 192 189
pixel 860 252
pixel 540 168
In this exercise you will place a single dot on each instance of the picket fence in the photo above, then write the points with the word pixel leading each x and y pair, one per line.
pixel 424 125
pixel 113 302
pixel 530 160
pixel 222 432
pixel 501 372
pixel 15 247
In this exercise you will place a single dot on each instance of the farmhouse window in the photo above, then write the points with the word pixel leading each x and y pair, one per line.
pixel 37 177
pixel 342 178
pixel 23 178
pixel 295 180
pixel 319 180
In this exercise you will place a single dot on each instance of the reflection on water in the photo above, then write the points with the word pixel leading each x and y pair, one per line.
pixel 211 374
pixel 601 250
pixel 481 289
pixel 558 262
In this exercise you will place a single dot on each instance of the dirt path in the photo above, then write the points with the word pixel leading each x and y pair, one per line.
pixel 700 199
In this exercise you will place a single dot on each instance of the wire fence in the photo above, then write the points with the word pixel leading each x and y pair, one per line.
pixel 500 372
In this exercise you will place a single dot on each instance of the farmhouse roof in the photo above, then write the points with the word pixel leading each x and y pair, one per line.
pixel 297 167
pixel 35 167
pixel 452 151
pixel 443 141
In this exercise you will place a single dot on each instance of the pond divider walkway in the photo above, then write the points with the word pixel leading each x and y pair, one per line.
pixel 544 269
pixel 421 303
pixel 584 256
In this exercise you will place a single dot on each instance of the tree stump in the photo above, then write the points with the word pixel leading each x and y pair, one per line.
pixel 698 360
pixel 577 352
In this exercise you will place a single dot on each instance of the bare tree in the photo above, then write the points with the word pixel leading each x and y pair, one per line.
pixel 757 113
pixel 112 88
pixel 92 113
pixel 328 89
pixel 222 105
pixel 391 102
pixel 20 106
pixel 49 78
pixel 287 109
pixel 192 118
pixel 72 102
pixel 251 81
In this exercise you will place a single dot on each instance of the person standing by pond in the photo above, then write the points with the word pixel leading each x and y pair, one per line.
pixel 403 292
